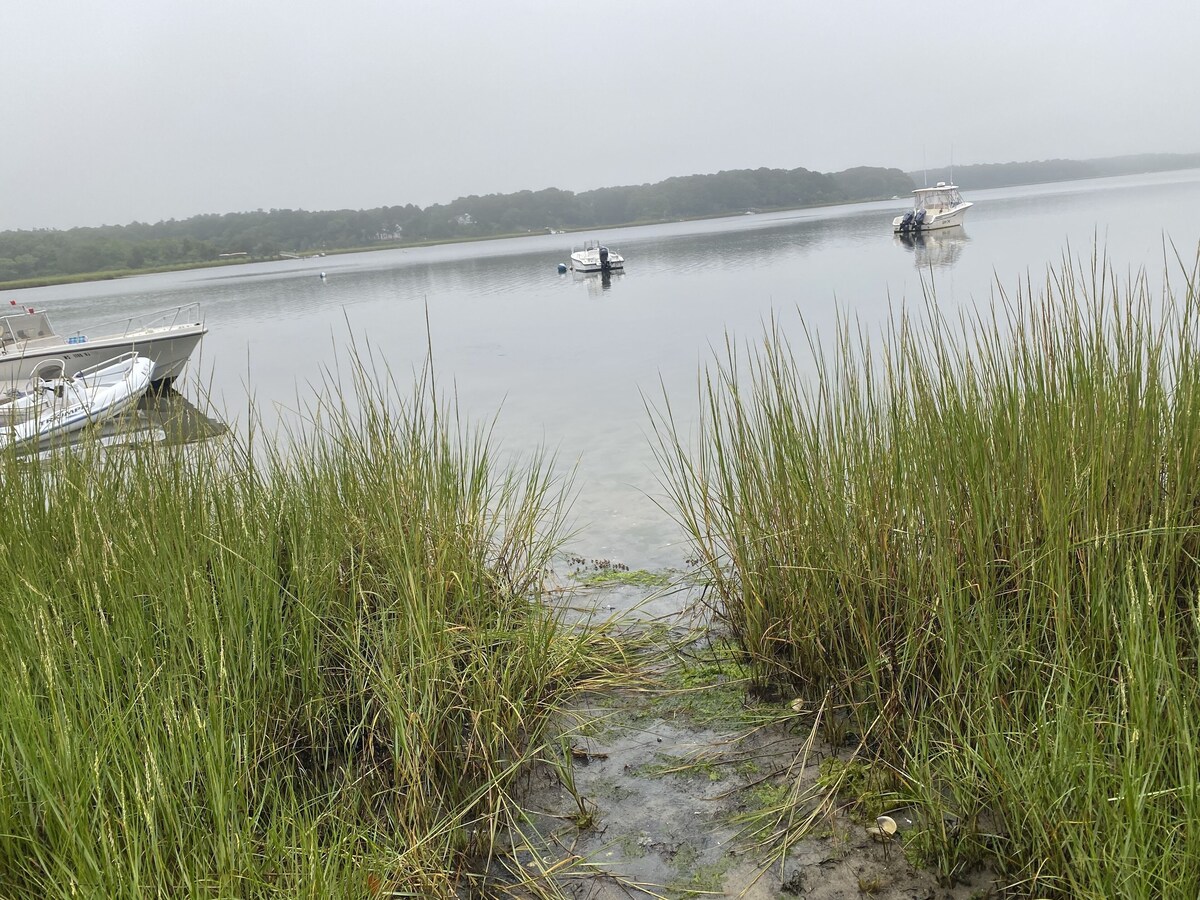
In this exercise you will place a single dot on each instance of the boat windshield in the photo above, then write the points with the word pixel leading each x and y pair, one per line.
pixel 25 327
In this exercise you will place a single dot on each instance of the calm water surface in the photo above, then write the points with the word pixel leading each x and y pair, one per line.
pixel 567 361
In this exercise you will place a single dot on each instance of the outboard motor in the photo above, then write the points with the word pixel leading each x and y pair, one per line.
pixel 906 222
pixel 919 218
pixel 604 263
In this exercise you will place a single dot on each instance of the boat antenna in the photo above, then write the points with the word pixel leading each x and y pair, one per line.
pixel 952 163
pixel 924 168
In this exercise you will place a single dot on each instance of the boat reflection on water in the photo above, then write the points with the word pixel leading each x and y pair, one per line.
pixel 162 417
pixel 934 249
pixel 599 282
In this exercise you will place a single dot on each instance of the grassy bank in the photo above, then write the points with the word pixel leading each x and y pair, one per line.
pixel 229 672
pixel 975 547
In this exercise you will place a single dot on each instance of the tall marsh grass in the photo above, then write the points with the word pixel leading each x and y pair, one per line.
pixel 226 672
pixel 979 543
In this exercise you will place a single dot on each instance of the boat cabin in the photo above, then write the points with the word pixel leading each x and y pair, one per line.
pixel 944 196
pixel 26 326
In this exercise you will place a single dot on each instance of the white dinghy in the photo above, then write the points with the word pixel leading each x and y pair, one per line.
pixel 47 409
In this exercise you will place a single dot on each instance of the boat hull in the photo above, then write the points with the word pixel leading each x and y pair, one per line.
pixel 935 221
pixel 167 348
pixel 580 265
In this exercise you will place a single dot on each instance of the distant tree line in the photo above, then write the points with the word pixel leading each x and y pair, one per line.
pixel 204 239
pixel 993 175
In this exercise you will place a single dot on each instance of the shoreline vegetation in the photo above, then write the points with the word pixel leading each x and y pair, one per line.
pixel 975 547
pixel 43 257
pixel 238 671
pixel 967 553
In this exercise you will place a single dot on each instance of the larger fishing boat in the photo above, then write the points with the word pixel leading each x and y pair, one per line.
pixel 30 346
pixel 933 207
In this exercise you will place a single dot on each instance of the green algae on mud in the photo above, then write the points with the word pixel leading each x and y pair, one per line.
pixel 606 572
pixel 683 797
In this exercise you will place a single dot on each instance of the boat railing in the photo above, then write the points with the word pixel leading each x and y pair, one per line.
pixel 127 356
pixel 187 314
pixel 48 370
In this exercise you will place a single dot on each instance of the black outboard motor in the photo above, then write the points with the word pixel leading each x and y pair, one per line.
pixel 906 222
pixel 918 218
pixel 605 265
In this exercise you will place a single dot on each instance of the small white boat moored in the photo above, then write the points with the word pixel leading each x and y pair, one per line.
pixel 48 409
pixel 596 258
pixel 935 207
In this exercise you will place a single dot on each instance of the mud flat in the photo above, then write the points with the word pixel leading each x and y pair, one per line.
pixel 664 789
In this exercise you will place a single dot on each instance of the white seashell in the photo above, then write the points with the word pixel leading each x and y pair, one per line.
pixel 883 829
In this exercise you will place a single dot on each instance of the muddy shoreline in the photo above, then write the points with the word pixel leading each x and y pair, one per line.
pixel 663 789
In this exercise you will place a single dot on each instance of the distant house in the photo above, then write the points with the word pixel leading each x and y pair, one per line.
pixel 466 219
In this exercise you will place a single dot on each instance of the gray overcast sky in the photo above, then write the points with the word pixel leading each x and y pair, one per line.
pixel 154 109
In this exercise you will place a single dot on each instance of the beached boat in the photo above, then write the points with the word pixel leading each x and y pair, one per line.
pixel 933 208
pixel 51 408
pixel 29 345
pixel 596 258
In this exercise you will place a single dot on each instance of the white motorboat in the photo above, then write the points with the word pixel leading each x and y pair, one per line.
pixel 48 409
pixel 596 258
pixel 935 207
pixel 29 345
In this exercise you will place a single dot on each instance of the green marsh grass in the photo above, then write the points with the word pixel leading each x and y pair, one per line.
pixel 236 671
pixel 974 545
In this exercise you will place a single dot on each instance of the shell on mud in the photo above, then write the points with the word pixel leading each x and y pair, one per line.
pixel 883 829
